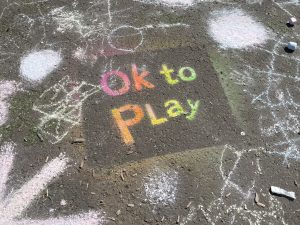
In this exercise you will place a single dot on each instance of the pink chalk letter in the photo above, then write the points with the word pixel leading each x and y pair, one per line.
pixel 105 80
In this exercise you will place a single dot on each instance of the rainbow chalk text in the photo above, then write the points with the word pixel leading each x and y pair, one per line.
pixel 173 107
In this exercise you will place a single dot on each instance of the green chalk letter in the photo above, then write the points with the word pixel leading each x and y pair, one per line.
pixel 168 74
pixel 192 74
pixel 194 109
pixel 175 109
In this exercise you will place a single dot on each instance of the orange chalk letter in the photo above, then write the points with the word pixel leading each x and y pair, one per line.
pixel 139 80
pixel 124 125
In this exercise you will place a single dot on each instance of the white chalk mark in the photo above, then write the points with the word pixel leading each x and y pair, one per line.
pixel 278 102
pixel 75 21
pixel 219 210
pixel 130 31
pixel 7 89
pixel 13 205
pixel 61 107
pixel 21 199
pixel 92 28
pixel 6 159
pixel 171 3
pixel 161 186
pixel 37 65
pixel 109 12
pixel 282 5
pixel 236 29
pixel 90 218
pixel 63 202
pixel 137 32
pixel 191 215
pixel 163 26
pixel 7 7
pixel 254 1
pixel 181 4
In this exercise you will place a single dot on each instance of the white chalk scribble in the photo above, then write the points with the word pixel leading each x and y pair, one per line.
pixel 276 98
pixel 61 107
pixel 235 202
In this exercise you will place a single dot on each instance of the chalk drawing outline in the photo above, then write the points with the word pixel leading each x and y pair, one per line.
pixel 67 108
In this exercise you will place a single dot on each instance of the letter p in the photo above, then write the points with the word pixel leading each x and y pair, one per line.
pixel 124 125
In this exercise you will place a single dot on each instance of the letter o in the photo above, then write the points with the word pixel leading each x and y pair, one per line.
pixel 192 75
pixel 108 90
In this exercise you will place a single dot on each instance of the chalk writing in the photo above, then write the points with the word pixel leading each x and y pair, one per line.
pixel 139 81
pixel 108 90
pixel 182 74
pixel 124 124
pixel 173 109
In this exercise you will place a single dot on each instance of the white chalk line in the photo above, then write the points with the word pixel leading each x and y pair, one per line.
pixel 284 100
pixel 218 210
pixel 13 205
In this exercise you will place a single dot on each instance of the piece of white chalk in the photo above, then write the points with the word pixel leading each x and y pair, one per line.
pixel 292 46
pixel 292 21
pixel 282 192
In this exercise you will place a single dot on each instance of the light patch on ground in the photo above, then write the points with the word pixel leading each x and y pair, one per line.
pixel 14 204
pixel 81 55
pixel 161 186
pixel 74 21
pixel 254 1
pixel 37 65
pixel 177 2
pixel 7 88
pixel 236 29
pixel 170 3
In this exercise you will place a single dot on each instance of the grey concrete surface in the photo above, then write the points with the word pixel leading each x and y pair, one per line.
pixel 149 112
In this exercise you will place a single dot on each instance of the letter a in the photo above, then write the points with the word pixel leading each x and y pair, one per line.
pixel 139 80
pixel 124 124
pixel 175 109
